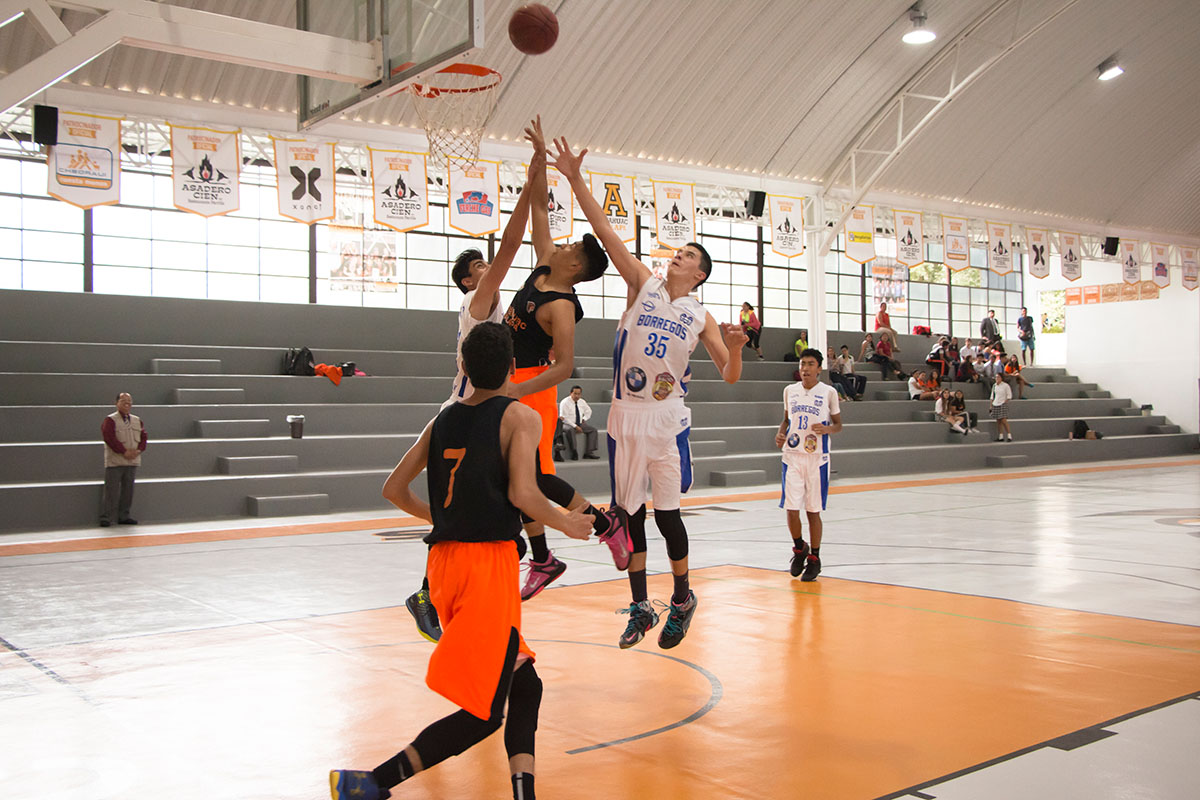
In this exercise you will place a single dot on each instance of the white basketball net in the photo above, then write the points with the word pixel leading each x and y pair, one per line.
pixel 454 105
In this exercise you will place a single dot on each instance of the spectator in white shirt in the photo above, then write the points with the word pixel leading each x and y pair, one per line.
pixel 573 413
pixel 851 379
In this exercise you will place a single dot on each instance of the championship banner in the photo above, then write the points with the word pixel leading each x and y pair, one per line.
pixel 1000 259
pixel 616 197
pixel 674 213
pixel 305 175
pixel 1160 258
pixel 1111 293
pixel 399 189
pixel 205 165
pixel 1129 292
pixel 910 238
pixel 1149 290
pixel 1072 258
pixel 1037 246
pixel 860 234
pixel 1131 268
pixel 473 191
pixel 1191 272
pixel 956 248
pixel 562 205
pixel 786 216
pixel 1091 295
pixel 84 168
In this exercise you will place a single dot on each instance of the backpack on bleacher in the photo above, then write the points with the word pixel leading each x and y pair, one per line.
pixel 299 362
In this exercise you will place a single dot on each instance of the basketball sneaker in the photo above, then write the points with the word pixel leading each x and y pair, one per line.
pixel 642 617
pixel 798 557
pixel 678 620
pixel 354 784
pixel 812 568
pixel 424 614
pixel 617 537
pixel 541 575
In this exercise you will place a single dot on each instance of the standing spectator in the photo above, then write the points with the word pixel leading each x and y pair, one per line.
pixel 855 384
pixel 575 412
pixel 1001 395
pixel 1025 334
pixel 753 328
pixel 989 329
pixel 883 324
pixel 124 442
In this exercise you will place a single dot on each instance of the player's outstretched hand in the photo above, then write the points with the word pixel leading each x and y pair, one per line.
pixel 534 135
pixel 735 338
pixel 780 438
pixel 565 161
pixel 578 525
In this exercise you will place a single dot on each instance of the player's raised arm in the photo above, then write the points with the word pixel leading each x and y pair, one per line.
pixel 397 489
pixel 724 344
pixel 520 429
pixel 570 165
pixel 543 242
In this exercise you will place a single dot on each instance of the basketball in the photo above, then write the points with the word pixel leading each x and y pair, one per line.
pixel 533 29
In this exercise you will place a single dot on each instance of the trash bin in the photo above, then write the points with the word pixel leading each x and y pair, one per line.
pixel 1147 410
pixel 296 421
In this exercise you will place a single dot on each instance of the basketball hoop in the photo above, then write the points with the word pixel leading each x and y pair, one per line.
pixel 454 105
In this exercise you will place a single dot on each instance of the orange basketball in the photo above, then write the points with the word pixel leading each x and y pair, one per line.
pixel 533 29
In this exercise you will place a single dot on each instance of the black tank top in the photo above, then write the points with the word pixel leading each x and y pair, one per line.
pixel 468 476
pixel 531 344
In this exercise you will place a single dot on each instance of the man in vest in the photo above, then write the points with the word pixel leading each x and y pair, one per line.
pixel 124 440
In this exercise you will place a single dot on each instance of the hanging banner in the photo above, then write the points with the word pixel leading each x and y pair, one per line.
pixel 786 215
pixel 205 165
pixel 890 285
pixel 1149 290
pixel 616 197
pixel 1072 258
pixel 910 238
pixel 1111 293
pixel 305 175
pixel 1000 247
pixel 1160 258
pixel 1129 292
pixel 1091 295
pixel 84 168
pixel 1037 247
pixel 674 213
pixel 398 184
pixel 955 244
pixel 1191 272
pixel 473 190
pixel 562 205
pixel 860 234
pixel 1131 267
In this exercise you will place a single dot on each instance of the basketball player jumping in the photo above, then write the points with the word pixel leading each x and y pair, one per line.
pixel 648 424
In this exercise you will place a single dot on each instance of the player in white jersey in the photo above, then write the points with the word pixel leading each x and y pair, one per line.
pixel 648 424
pixel 811 413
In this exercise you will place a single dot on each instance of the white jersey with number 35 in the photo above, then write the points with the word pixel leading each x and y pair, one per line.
pixel 655 340
pixel 805 408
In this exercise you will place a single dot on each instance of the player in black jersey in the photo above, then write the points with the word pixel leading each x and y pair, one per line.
pixel 479 454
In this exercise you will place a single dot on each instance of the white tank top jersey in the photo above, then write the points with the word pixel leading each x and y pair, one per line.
pixel 462 387
pixel 805 408
pixel 654 344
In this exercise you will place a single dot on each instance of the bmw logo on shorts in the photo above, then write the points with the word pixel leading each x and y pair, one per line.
pixel 635 379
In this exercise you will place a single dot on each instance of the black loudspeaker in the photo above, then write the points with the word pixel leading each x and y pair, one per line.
pixel 1111 244
pixel 755 203
pixel 45 125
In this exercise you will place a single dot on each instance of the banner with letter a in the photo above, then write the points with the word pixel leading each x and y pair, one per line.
pixel 615 195
pixel 84 168
pixel 562 204
pixel 1191 272
pixel 1160 258
pixel 1037 249
pixel 1000 258
pixel 956 247
pixel 473 191
pixel 860 234
pixel 1072 258
pixel 304 171
pixel 400 189
pixel 1131 265
pixel 910 238
pixel 786 215
pixel 205 165
pixel 674 213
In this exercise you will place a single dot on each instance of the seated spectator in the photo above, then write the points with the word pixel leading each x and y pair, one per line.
pixel 883 324
pixel 1012 369
pixel 968 351
pixel 966 372
pixel 883 357
pixel 835 374
pixel 801 342
pixel 953 358
pixel 988 367
pixel 937 360
pixel 918 387
pixel 866 351
pixel 959 404
pixel 944 410
pixel 855 384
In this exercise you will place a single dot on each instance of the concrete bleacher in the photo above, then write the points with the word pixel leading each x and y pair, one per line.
pixel 205 378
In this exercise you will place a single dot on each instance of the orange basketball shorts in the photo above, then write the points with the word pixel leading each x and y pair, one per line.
pixel 545 403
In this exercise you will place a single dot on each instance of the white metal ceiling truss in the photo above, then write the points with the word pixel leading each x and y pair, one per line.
pixel 980 46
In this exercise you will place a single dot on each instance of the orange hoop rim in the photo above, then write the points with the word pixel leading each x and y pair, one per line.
pixel 426 90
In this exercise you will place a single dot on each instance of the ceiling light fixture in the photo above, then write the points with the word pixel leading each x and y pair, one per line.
pixel 919 33
pixel 1109 69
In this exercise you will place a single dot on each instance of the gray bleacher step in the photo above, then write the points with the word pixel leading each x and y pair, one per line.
pixel 737 477
pixel 185 366
pixel 232 428
pixel 592 372
pixel 286 505
pixel 257 465
pixel 195 397
pixel 892 395
pixel 1164 429
pixel 1006 461
pixel 1132 411
pixel 1099 394
pixel 606 396
pixel 715 447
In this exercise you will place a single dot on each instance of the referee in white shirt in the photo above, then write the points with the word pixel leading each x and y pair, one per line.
pixel 574 413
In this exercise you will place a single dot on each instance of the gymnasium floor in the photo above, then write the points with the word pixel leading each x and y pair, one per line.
pixel 978 636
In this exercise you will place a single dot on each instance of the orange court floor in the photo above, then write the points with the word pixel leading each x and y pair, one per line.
pixel 940 654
